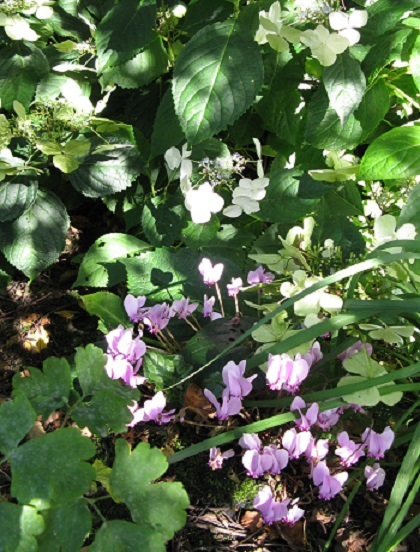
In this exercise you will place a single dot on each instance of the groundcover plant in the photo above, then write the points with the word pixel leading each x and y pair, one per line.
pixel 257 164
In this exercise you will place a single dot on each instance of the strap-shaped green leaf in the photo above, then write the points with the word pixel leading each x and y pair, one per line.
pixel 35 239
pixel 216 78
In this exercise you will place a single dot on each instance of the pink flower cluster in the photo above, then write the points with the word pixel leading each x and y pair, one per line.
pixel 152 411
pixel 273 511
pixel 259 460
pixel 125 356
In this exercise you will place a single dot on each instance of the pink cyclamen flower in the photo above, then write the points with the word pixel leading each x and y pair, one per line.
pixel 236 384
pixel 121 368
pixel 207 311
pixel 157 317
pixel 375 477
pixel 280 458
pixel 152 411
pixel 329 485
pixel 211 274
pixel 313 355
pixel 257 463
pixel 294 513
pixel 250 441
pixel 348 451
pixel 285 373
pixel 134 307
pixel 258 276
pixel 328 418
pixel 230 405
pixel 354 349
pixel 124 356
pixel 306 421
pixel 234 287
pixel 378 443
pixel 182 308
pixel 271 510
pixel 316 450
pixel 217 457
pixel 296 443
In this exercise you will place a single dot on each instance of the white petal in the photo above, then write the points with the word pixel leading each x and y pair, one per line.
pixel 325 55
pixel 173 158
pixel 338 20
pixel 337 43
pixel 351 35
pixel 358 18
pixel 44 12
pixel 233 211
pixel 384 227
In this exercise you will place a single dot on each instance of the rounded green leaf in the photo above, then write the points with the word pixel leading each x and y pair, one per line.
pixel 66 527
pixel 16 198
pixel 125 537
pixel 66 163
pixel 367 397
pixel 363 364
pixel 77 147
pixel 216 78
pixel 19 525
pixel 17 417
pixel 394 155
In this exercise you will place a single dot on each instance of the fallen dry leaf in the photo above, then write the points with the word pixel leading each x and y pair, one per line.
pixel 251 520
pixel 294 535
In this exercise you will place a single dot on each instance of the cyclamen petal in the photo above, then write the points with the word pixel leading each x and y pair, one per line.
pixel 211 274
pixel 258 276
pixel 230 406
pixel 256 463
pixel 217 458
pixel 236 384
pixel 378 443
pixel 375 477
pixel 348 450
pixel 271 510
pixel 250 441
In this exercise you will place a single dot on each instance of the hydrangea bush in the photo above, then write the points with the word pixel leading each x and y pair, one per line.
pixel 263 158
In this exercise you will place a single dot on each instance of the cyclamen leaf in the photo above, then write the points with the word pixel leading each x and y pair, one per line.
pixel 108 307
pixel 161 505
pixel 16 198
pixel 19 525
pixel 125 30
pixel 107 170
pixel 47 389
pixel 345 84
pixel 125 536
pixel 52 469
pixel 35 240
pixel 66 527
pixel 17 417
pixel 394 155
pixel 216 78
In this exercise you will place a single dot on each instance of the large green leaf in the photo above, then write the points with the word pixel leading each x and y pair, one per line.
pixel 345 84
pixel 163 218
pixel 108 307
pixel 90 367
pixel 20 73
pixel 47 389
pixel 387 48
pixel 373 108
pixel 52 469
pixel 125 537
pixel 160 505
pixel 144 68
pixel 290 196
pixel 15 198
pixel 124 31
pixel 410 211
pixel 106 249
pixel 19 525
pixel 17 417
pixel 167 131
pixel 394 155
pixel 66 527
pixel 216 78
pixel 35 240
pixel 229 242
pixel 107 170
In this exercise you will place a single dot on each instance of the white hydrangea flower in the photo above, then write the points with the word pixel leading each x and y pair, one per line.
pixel 346 24
pixel 179 10
pixel 179 159
pixel 246 197
pixel 202 202
pixel 40 8
pixel 385 230
pixel 17 28
pixel 343 165
pixel 325 46
pixel 271 30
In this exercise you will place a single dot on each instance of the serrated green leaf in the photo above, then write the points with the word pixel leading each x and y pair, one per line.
pixel 107 170
pixel 19 525
pixel 125 30
pixel 410 211
pixel 394 155
pixel 367 397
pixel 161 505
pixel 345 84
pixel 106 249
pixel 51 469
pixel 50 148
pixel 108 307
pixel 364 365
pixel 16 198
pixel 387 48
pixel 167 131
pixel 35 240
pixel 90 368
pixel 50 86
pixel 216 78
pixel 296 193
pixel 17 417
pixel 163 370
pixel 162 219
pixel 66 163
pixel 415 62
pixel 19 109
pixel 66 527
pixel 78 148
pixel 102 474
pixel 144 68
pixel 195 235
pixel 20 73
pixel 373 108
pixel 48 389
pixel 125 537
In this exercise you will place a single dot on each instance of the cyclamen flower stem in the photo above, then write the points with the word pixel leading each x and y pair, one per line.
pixel 237 306
pixel 219 297
pixel 175 342
pixel 191 324
pixel 196 322
pixel 164 341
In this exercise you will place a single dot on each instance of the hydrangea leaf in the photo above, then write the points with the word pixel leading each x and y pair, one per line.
pixel 35 240
pixel 216 78
pixel 196 235
pixel 230 242
pixel 160 506
pixel 345 84
pixel 48 389
pixel 67 526
pixel 167 131
pixel 367 397
pixel 106 249
pixel 373 108
pixel 19 525
pixel 125 537
pixel 52 469
pixel 108 307
pixel 410 211
pixel 163 219
pixel 17 417
pixel 364 365
pixel 394 155
pixel 16 198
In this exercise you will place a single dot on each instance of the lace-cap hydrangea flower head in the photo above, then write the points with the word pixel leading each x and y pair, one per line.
pixel 347 23
pixel 273 31
pixel 202 202
pixel 325 46
pixel 375 477
pixel 211 274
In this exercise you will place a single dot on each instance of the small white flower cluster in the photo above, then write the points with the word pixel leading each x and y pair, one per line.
pixel 15 26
